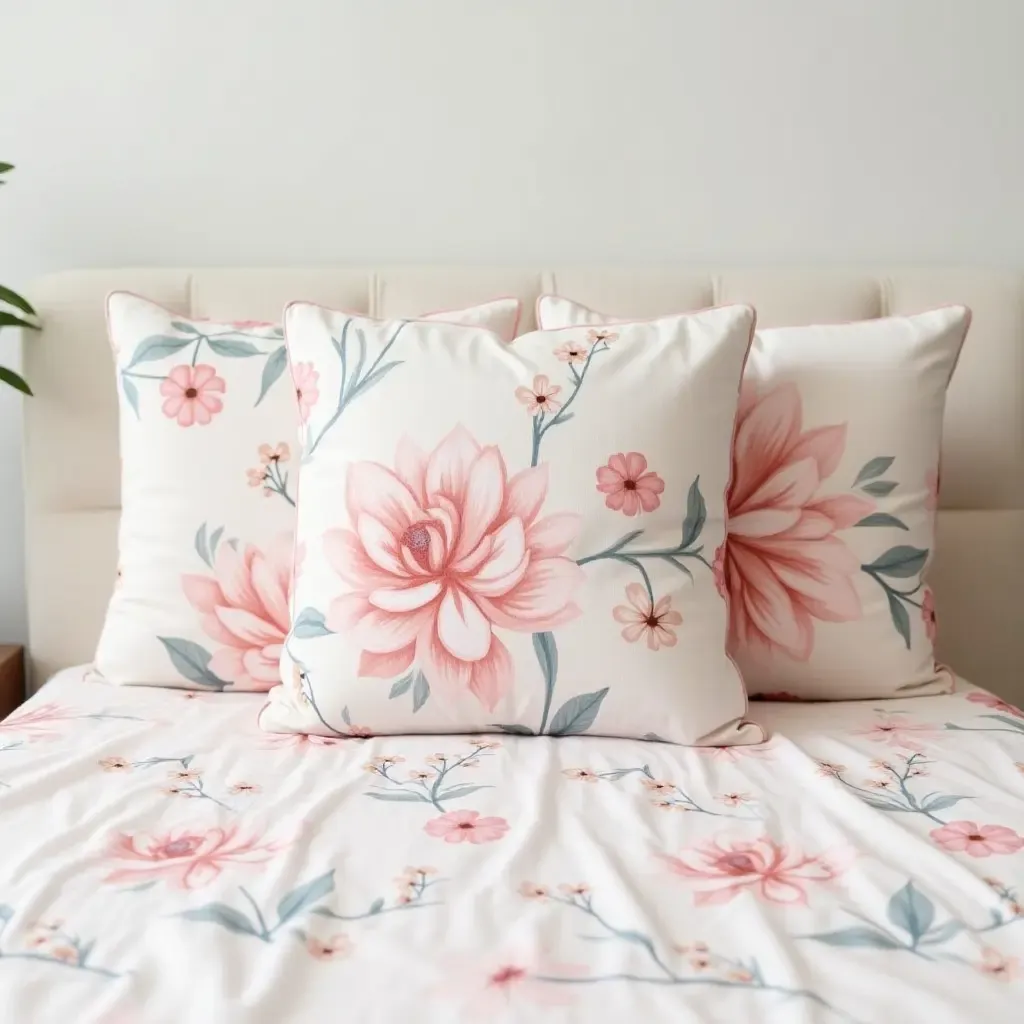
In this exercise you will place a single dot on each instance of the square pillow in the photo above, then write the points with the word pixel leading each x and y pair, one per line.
pixel 832 505
pixel 514 537
pixel 209 429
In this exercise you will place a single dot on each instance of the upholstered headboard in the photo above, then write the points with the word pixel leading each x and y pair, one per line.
pixel 72 468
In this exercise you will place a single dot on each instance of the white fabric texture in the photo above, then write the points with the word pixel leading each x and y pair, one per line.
pixel 449 880
pixel 209 426
pixel 833 504
pixel 507 537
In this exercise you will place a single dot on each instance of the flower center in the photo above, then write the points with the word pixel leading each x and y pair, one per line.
pixel 976 838
pixel 507 975
pixel 741 863
pixel 191 392
pixel 629 485
pixel 180 847
pixel 465 825
pixel 652 621
pixel 541 399
pixel 417 539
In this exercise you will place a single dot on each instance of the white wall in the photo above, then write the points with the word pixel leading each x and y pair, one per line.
pixel 550 131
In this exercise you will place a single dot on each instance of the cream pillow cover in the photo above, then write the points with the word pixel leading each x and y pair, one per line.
pixel 832 504
pixel 514 538
pixel 209 428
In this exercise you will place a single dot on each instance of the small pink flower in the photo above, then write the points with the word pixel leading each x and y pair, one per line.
pixel 187 859
pixel 256 477
pixel 360 732
pixel 466 827
pixel 245 789
pixel 595 337
pixel 574 889
pixel 572 352
pixel 928 614
pixel 718 570
pixel 532 891
pixel 659 786
pixel 734 799
pixel 541 397
pixel 66 954
pixel 190 394
pixel 115 764
pixel 896 731
pixel 828 770
pixel 628 485
pixel 990 700
pixel 642 620
pixel 999 967
pixel 581 774
pixel 769 869
pixel 977 840
pixel 274 454
pixel 306 391
pixel 334 948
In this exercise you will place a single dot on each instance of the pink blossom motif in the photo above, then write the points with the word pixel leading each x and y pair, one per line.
pixel 183 857
pixel 444 549
pixel 768 869
pixel 572 352
pixel 298 741
pixel 191 394
pixel 541 397
pixel 718 570
pixel 785 566
pixel 977 840
pixel 1001 968
pixel 627 484
pixel 651 622
pixel 928 614
pixel 244 607
pixel 466 827
pixel 334 948
pixel 307 393
pixel 989 700
pixel 39 722
pixel 896 731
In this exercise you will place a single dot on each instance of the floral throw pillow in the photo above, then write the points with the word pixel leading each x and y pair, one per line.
pixel 209 449
pixel 832 504
pixel 515 538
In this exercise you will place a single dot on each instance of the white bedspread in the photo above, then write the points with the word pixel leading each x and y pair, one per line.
pixel 163 861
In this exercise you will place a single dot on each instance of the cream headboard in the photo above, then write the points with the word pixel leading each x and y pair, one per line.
pixel 71 464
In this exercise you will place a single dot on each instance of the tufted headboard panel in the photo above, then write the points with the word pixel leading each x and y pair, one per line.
pixel 72 467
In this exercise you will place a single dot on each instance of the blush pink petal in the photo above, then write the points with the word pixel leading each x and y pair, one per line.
pixel 525 494
pixel 389 665
pixel 448 466
pixel 552 535
pixel 492 677
pixel 374 490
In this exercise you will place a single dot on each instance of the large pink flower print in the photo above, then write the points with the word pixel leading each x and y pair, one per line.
pixel 784 563
pixel 191 394
pixel 184 857
pixel 768 869
pixel 977 840
pixel 244 607
pixel 445 548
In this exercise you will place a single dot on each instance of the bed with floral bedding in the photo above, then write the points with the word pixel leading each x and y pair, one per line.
pixel 864 865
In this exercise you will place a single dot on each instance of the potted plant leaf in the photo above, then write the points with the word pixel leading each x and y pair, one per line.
pixel 14 312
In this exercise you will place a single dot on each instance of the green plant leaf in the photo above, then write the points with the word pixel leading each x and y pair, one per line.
pixel 900 618
pixel 879 488
pixel 1014 723
pixel 214 541
pixel 310 623
pixel 857 937
pixel 192 661
pixel 202 545
pixel 131 394
pixel 420 692
pixel 912 911
pixel 376 377
pixel 546 649
pixel 300 898
pixel 158 346
pixel 4 168
pixel 6 912
pixel 625 539
pixel 401 686
pixel 577 714
pixel 11 320
pixel 185 328
pixel 14 299
pixel 696 514
pixel 400 797
pixel 15 380
pixel 942 803
pixel 227 917
pixel 943 933
pixel 233 349
pixel 653 737
pixel 882 519
pixel 376 906
pixel 873 468
pixel 272 369
pixel 345 717
pixel 515 730
pixel 900 562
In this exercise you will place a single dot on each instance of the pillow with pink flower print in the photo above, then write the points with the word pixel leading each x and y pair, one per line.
pixel 832 505
pixel 209 442
pixel 514 538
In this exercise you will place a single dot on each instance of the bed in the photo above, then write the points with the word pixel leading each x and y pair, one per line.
pixel 165 860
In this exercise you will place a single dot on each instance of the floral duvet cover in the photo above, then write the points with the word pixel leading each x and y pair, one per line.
pixel 162 860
